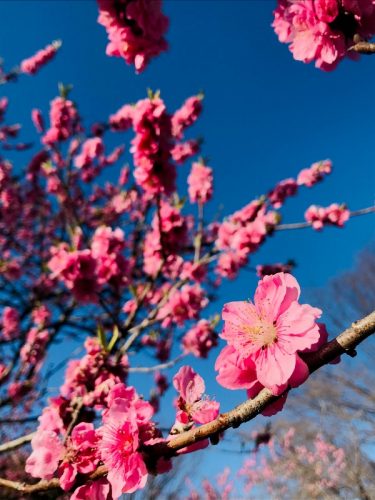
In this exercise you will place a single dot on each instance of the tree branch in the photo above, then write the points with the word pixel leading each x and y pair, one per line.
pixel 162 366
pixel 302 225
pixel 16 443
pixel 362 47
pixel 345 343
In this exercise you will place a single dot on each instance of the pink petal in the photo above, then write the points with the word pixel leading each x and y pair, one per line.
pixel 205 411
pixel 234 372
pixel 301 373
pixel 189 384
pixel 274 366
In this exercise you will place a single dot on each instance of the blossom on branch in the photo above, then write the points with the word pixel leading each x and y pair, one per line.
pixel 33 64
pixel 200 183
pixel 192 407
pixel 135 30
pixel 323 30
pixel 265 337
pixel 334 215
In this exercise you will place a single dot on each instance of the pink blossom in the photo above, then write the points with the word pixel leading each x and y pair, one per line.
pixel 3 372
pixel 41 315
pixel 310 176
pixel 91 149
pixel 272 330
pixel 81 455
pixel 186 115
pixel 200 339
pixel 151 147
pixel 174 229
pixel 123 118
pixel 229 263
pixel 135 30
pixel 47 449
pixel 50 419
pixel 322 30
pixel 334 215
pixel 283 190
pixel 126 421
pixel 236 372
pixel 77 270
pixel 93 376
pixel 10 323
pixel 183 304
pixel 37 118
pixel 337 214
pixel 191 387
pixel 124 176
pixel 245 229
pixel 106 247
pixel 200 183
pixel 33 349
pixel 64 121
pixel 182 151
pixel 34 63
pixel 95 490
pixel 3 107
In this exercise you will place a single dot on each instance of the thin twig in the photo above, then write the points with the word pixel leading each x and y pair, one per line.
pixel 302 225
pixel 16 443
pixel 162 366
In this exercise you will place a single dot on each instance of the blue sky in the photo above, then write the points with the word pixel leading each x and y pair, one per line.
pixel 265 116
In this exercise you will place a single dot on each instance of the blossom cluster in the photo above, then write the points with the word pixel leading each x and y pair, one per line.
pixel 84 272
pixel 135 29
pixel 66 442
pixel 323 30
pixel 42 57
pixel 64 121
pixel 334 215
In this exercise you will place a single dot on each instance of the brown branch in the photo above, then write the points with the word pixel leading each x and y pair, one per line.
pixel 302 225
pixel 345 343
pixel 362 47
pixel 16 443
pixel 43 485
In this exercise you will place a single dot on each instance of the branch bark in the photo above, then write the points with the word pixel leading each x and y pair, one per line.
pixel 362 47
pixel 16 443
pixel 345 343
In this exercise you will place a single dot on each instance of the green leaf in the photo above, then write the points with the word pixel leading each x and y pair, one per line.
pixel 115 336
pixel 101 337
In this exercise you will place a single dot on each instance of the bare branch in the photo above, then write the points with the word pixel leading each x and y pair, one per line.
pixel 16 443
pixel 362 47
pixel 162 366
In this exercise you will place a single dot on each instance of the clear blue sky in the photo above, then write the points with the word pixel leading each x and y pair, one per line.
pixel 266 116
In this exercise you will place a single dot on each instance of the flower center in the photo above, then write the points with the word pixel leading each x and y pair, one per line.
pixel 125 442
pixel 264 333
